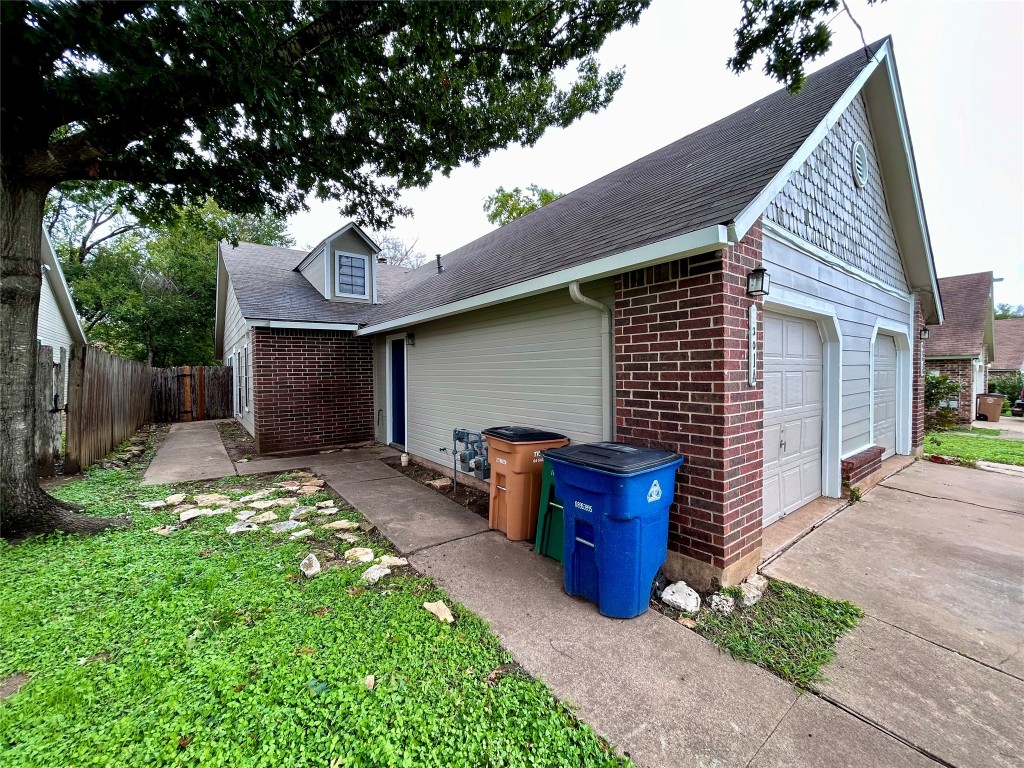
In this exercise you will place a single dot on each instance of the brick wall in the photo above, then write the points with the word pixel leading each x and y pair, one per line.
pixel 961 371
pixel 917 386
pixel 311 389
pixel 681 383
pixel 855 468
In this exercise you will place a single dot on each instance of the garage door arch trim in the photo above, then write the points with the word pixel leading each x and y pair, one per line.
pixel 900 332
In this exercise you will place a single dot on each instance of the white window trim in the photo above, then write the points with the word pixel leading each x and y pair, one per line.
pixel 337 276
pixel 245 377
pixel 789 302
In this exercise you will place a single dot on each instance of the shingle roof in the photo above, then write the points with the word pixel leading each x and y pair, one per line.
pixel 967 306
pixel 268 287
pixel 1009 344
pixel 706 178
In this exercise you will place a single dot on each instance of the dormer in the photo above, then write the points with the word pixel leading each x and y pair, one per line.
pixel 343 266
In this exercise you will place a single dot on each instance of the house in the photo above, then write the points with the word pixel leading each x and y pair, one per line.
pixel 629 309
pixel 964 345
pixel 58 325
pixel 1009 356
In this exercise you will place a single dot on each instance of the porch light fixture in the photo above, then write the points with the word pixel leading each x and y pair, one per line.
pixel 758 282
pixel 410 340
pixel 925 333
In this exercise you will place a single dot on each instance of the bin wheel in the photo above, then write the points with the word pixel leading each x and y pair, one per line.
pixel 981 417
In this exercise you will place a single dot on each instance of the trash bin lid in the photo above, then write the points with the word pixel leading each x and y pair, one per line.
pixel 521 434
pixel 616 458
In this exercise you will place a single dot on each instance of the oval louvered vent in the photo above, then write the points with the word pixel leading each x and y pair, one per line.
pixel 860 164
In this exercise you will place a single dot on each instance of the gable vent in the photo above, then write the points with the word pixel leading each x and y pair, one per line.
pixel 860 165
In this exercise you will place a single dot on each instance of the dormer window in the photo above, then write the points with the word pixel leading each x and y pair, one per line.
pixel 353 271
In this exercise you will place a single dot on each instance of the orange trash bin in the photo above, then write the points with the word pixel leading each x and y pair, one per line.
pixel 516 464
pixel 989 407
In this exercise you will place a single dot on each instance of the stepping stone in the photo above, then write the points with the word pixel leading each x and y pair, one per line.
pixel 191 514
pixel 290 485
pixel 392 562
pixel 302 534
pixel 254 496
pixel 266 517
pixel 302 513
pixel 164 530
pixel 265 504
pixel 176 498
pixel 310 566
pixel 375 573
pixel 154 504
pixel 315 483
pixel 359 555
pixel 285 502
pixel 210 499
pixel 243 516
pixel 340 525
pixel 351 538
pixel 241 527
pixel 325 504
pixel 285 525
pixel 308 490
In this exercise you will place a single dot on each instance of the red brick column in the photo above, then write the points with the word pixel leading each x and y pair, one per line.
pixel 311 389
pixel 681 383
pixel 917 386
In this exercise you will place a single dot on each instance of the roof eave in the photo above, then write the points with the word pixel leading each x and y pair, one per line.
pixel 61 291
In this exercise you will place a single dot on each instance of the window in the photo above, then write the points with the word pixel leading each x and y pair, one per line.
pixel 353 271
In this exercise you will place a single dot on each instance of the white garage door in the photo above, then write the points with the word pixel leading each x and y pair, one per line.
pixel 792 414
pixel 885 394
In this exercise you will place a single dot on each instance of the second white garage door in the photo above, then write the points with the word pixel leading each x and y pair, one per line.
pixel 792 414
pixel 884 394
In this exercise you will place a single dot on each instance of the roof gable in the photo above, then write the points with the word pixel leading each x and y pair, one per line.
pixel 968 329
pixel 61 291
pixel 350 227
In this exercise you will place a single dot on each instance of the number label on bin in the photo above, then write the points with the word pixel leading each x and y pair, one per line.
pixel 584 507
pixel 654 494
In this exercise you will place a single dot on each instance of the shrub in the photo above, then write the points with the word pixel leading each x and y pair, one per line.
pixel 1009 384
pixel 939 389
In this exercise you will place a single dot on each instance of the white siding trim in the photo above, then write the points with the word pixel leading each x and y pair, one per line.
pixel 302 325
pixel 785 301
pixel 700 241
pixel 904 378
pixel 387 388
pixel 771 229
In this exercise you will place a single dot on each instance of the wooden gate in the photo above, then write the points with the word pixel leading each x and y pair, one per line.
pixel 191 393
pixel 50 406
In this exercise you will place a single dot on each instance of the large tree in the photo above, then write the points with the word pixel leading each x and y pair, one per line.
pixel 507 205
pixel 262 104
pixel 257 105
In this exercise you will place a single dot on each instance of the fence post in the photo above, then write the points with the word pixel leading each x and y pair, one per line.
pixel 199 406
pixel 76 393
pixel 44 418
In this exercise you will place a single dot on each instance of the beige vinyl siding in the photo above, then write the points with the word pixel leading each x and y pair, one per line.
pixel 534 362
pixel 380 397
pixel 235 337
pixel 315 274
pixel 51 330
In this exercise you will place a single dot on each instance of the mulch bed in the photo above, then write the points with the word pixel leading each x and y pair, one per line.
pixel 477 502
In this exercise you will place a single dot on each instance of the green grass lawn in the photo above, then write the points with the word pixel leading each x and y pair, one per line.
pixel 979 431
pixel 202 648
pixel 971 447
pixel 791 632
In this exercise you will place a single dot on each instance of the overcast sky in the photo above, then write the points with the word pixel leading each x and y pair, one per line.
pixel 961 67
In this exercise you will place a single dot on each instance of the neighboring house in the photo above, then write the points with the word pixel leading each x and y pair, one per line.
pixel 58 325
pixel 964 345
pixel 1009 357
pixel 621 311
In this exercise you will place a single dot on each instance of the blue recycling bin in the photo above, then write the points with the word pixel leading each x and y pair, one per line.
pixel 615 500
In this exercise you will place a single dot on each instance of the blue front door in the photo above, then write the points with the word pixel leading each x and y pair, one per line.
pixel 398 391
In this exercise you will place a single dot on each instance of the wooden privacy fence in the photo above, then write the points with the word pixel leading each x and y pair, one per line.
pixel 191 393
pixel 108 400
pixel 50 402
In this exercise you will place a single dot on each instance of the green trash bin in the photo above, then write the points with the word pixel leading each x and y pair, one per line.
pixel 549 518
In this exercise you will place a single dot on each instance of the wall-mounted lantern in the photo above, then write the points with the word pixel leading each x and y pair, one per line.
pixel 758 282
pixel 410 340
pixel 925 333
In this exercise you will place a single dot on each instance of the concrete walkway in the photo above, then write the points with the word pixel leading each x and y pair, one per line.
pixel 656 690
pixel 192 450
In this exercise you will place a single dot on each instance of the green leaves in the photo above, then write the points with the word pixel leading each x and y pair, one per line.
pixel 508 205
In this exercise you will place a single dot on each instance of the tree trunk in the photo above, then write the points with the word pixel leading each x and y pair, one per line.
pixel 24 508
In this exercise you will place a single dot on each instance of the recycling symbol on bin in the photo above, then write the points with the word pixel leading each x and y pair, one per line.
pixel 655 493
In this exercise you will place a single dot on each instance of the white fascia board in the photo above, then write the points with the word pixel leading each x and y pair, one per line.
pixel 249 324
pixel 746 218
pixel 700 241
pixel 61 291
pixel 776 232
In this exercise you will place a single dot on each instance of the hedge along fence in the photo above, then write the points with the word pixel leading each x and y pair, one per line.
pixel 109 399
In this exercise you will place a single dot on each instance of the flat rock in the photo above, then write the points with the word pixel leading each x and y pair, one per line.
pixel 315 482
pixel 211 499
pixel 722 603
pixel 308 490
pixel 241 527
pixel 245 515
pixel 351 538
pixel 441 484
pixel 255 496
pixel 367 527
pixel 359 555
pixel 154 504
pixel 191 514
pixel 286 502
pixel 265 517
pixel 176 498
pixel 375 573
pixel 388 561
pixel 164 530
pixel 750 594
pixel 303 533
pixel 182 508
pixel 263 504
pixel 309 566
pixel 340 525
pixel 441 611
pixel 301 513
pixel 285 525
pixel 290 485
pixel 325 504
pixel 757 581
pixel 681 597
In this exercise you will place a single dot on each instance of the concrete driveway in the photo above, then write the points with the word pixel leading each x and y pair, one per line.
pixel 935 557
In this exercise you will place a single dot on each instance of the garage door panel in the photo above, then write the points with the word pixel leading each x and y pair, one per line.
pixel 884 394
pixel 793 414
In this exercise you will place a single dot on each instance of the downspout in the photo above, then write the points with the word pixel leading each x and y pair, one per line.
pixel 607 358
